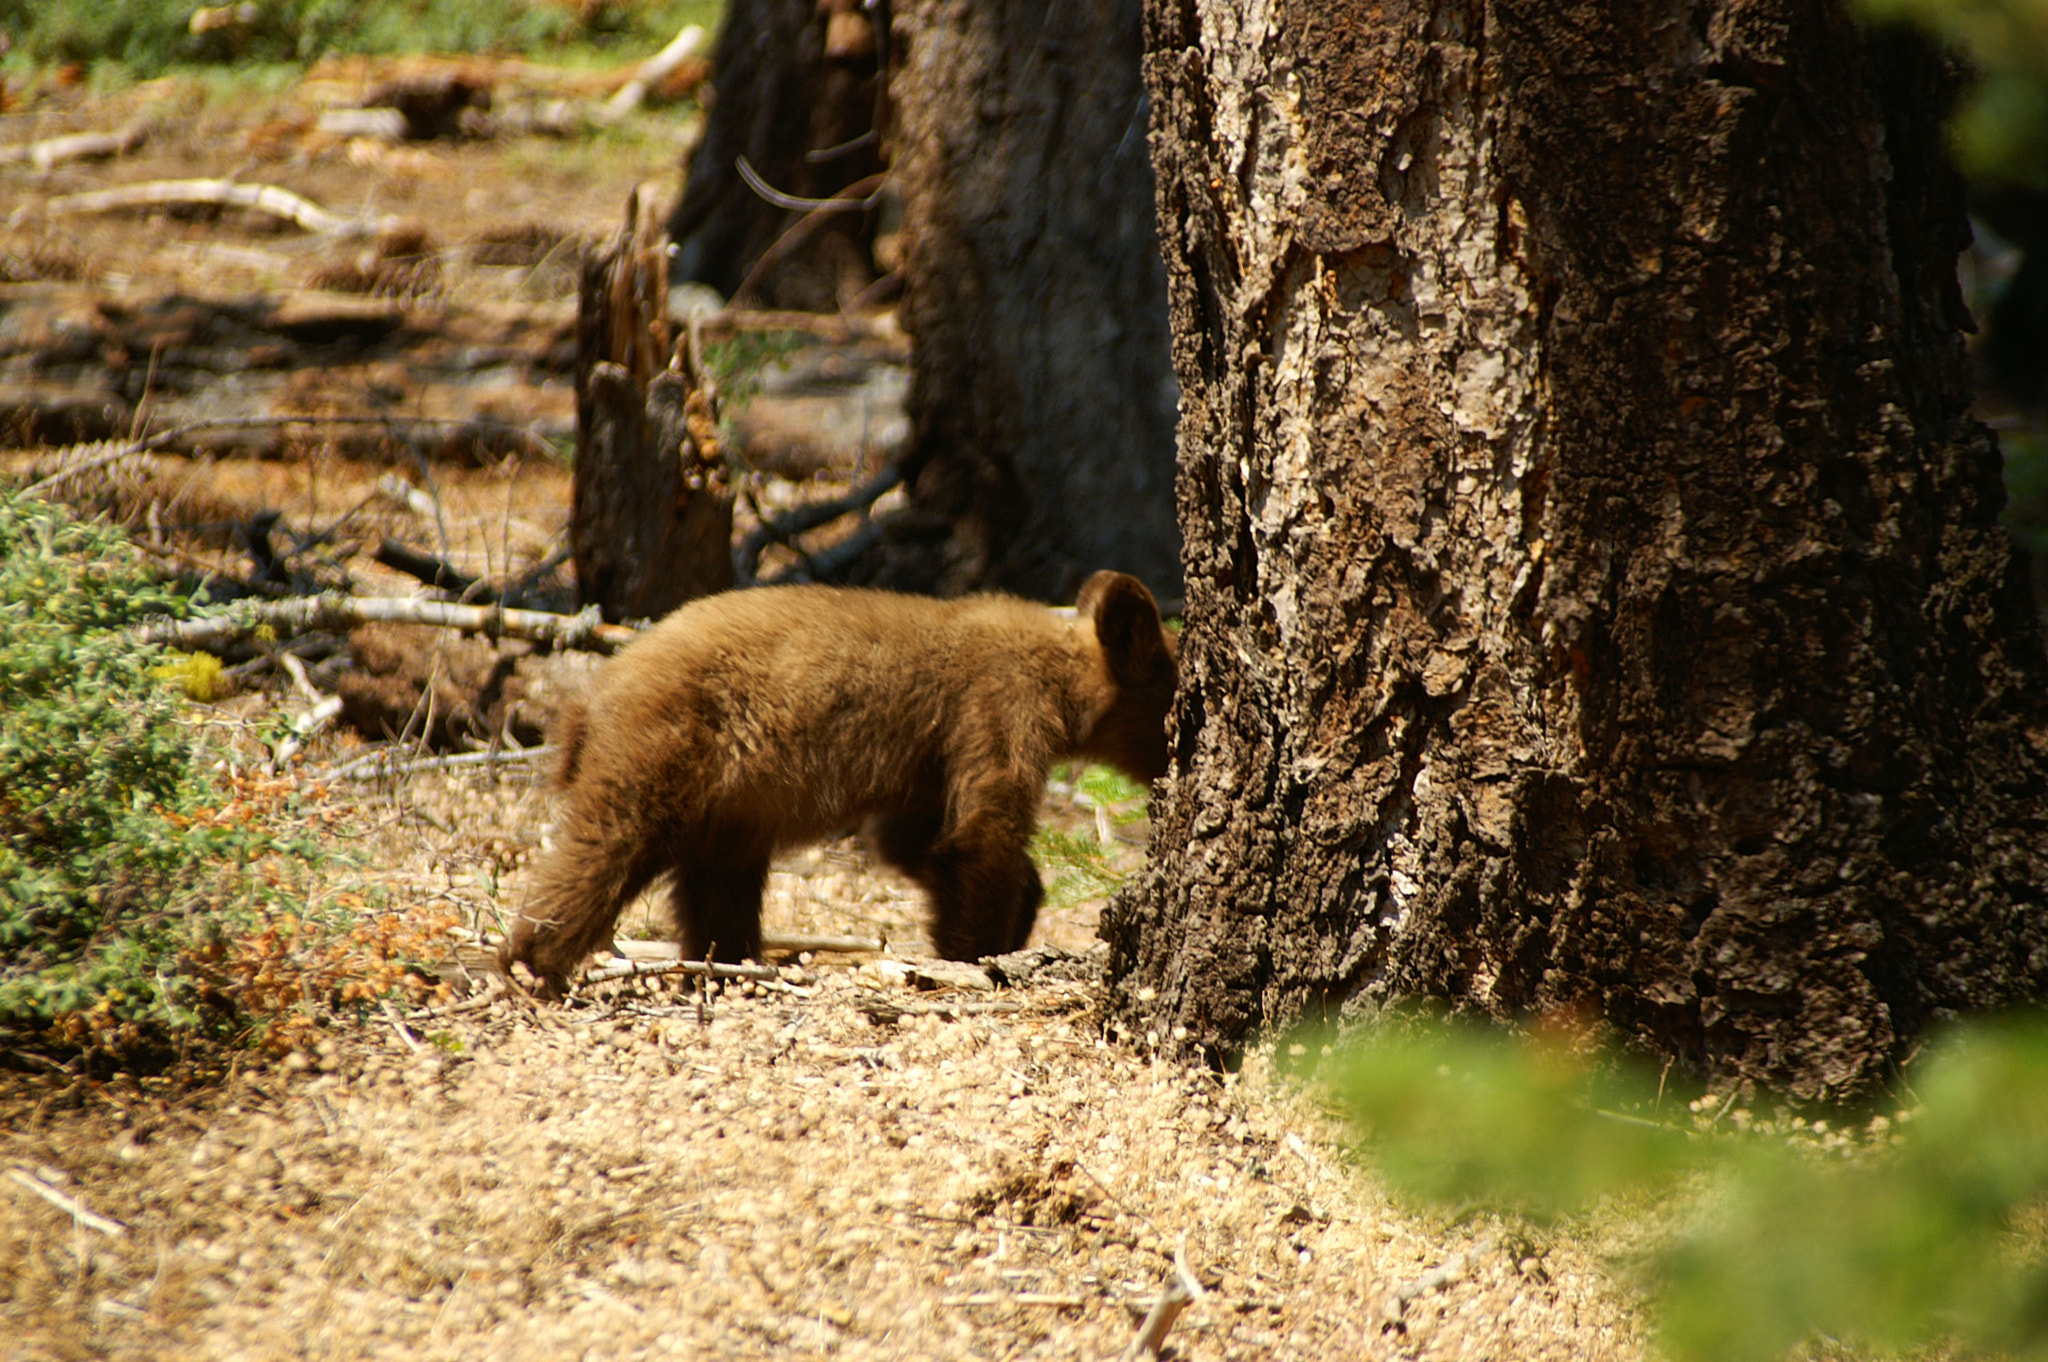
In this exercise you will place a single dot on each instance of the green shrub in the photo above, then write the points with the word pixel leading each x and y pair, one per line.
pixel 1783 1231
pixel 123 863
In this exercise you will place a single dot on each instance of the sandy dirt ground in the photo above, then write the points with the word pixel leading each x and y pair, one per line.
pixel 838 1161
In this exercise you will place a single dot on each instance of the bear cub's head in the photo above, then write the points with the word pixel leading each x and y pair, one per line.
pixel 1126 707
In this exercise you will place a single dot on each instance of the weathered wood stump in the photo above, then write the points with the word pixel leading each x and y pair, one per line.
pixel 650 525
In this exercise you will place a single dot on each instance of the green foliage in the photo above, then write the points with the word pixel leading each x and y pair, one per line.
pixel 1908 1243
pixel 1465 1116
pixel 1112 789
pixel 1078 865
pixel 147 37
pixel 115 863
pixel 2000 131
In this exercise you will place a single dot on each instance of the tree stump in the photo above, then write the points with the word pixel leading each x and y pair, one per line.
pixel 650 524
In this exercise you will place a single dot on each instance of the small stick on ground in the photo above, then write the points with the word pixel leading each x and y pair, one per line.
pixel 378 765
pixel 1181 1289
pixel 69 1206
pixel 1445 1273
pixel 391 1015
pixel 619 967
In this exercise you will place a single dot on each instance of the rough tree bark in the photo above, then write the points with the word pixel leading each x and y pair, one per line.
pixel 1042 395
pixel 1595 595
pixel 793 79
pixel 650 519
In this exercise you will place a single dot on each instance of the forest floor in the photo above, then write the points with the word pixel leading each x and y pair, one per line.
pixel 863 1157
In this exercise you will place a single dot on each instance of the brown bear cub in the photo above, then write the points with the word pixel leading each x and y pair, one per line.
pixel 747 723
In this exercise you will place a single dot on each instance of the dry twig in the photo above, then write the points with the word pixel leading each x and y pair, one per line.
pixel 1442 1275
pixel 1181 1288
pixel 69 1206
pixel 619 967
pixel 379 765
pixel 782 529
pixel 391 1015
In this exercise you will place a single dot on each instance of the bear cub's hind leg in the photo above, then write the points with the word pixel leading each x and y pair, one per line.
pixel 717 907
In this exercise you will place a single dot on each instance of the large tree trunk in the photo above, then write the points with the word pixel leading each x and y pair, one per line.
pixel 794 90
pixel 1042 395
pixel 1595 595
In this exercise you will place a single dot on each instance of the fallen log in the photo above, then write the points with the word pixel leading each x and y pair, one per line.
pixel 337 613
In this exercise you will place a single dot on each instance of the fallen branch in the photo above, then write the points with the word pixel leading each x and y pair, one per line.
pixel 782 529
pixel 826 565
pixel 334 614
pixel 379 765
pixel 262 198
pixel 77 146
pixel 653 72
pixel 619 967
pixel 437 572
pixel 78 1213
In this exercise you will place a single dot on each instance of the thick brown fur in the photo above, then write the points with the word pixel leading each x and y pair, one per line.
pixel 750 722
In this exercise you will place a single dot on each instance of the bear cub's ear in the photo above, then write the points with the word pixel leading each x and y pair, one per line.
pixel 1126 625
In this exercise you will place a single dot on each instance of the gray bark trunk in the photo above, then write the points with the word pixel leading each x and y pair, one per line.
pixel 1595 593
pixel 1042 397
pixel 791 79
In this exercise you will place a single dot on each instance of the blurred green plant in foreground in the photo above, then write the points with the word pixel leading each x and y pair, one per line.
pixel 1896 1239
pixel 2000 130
